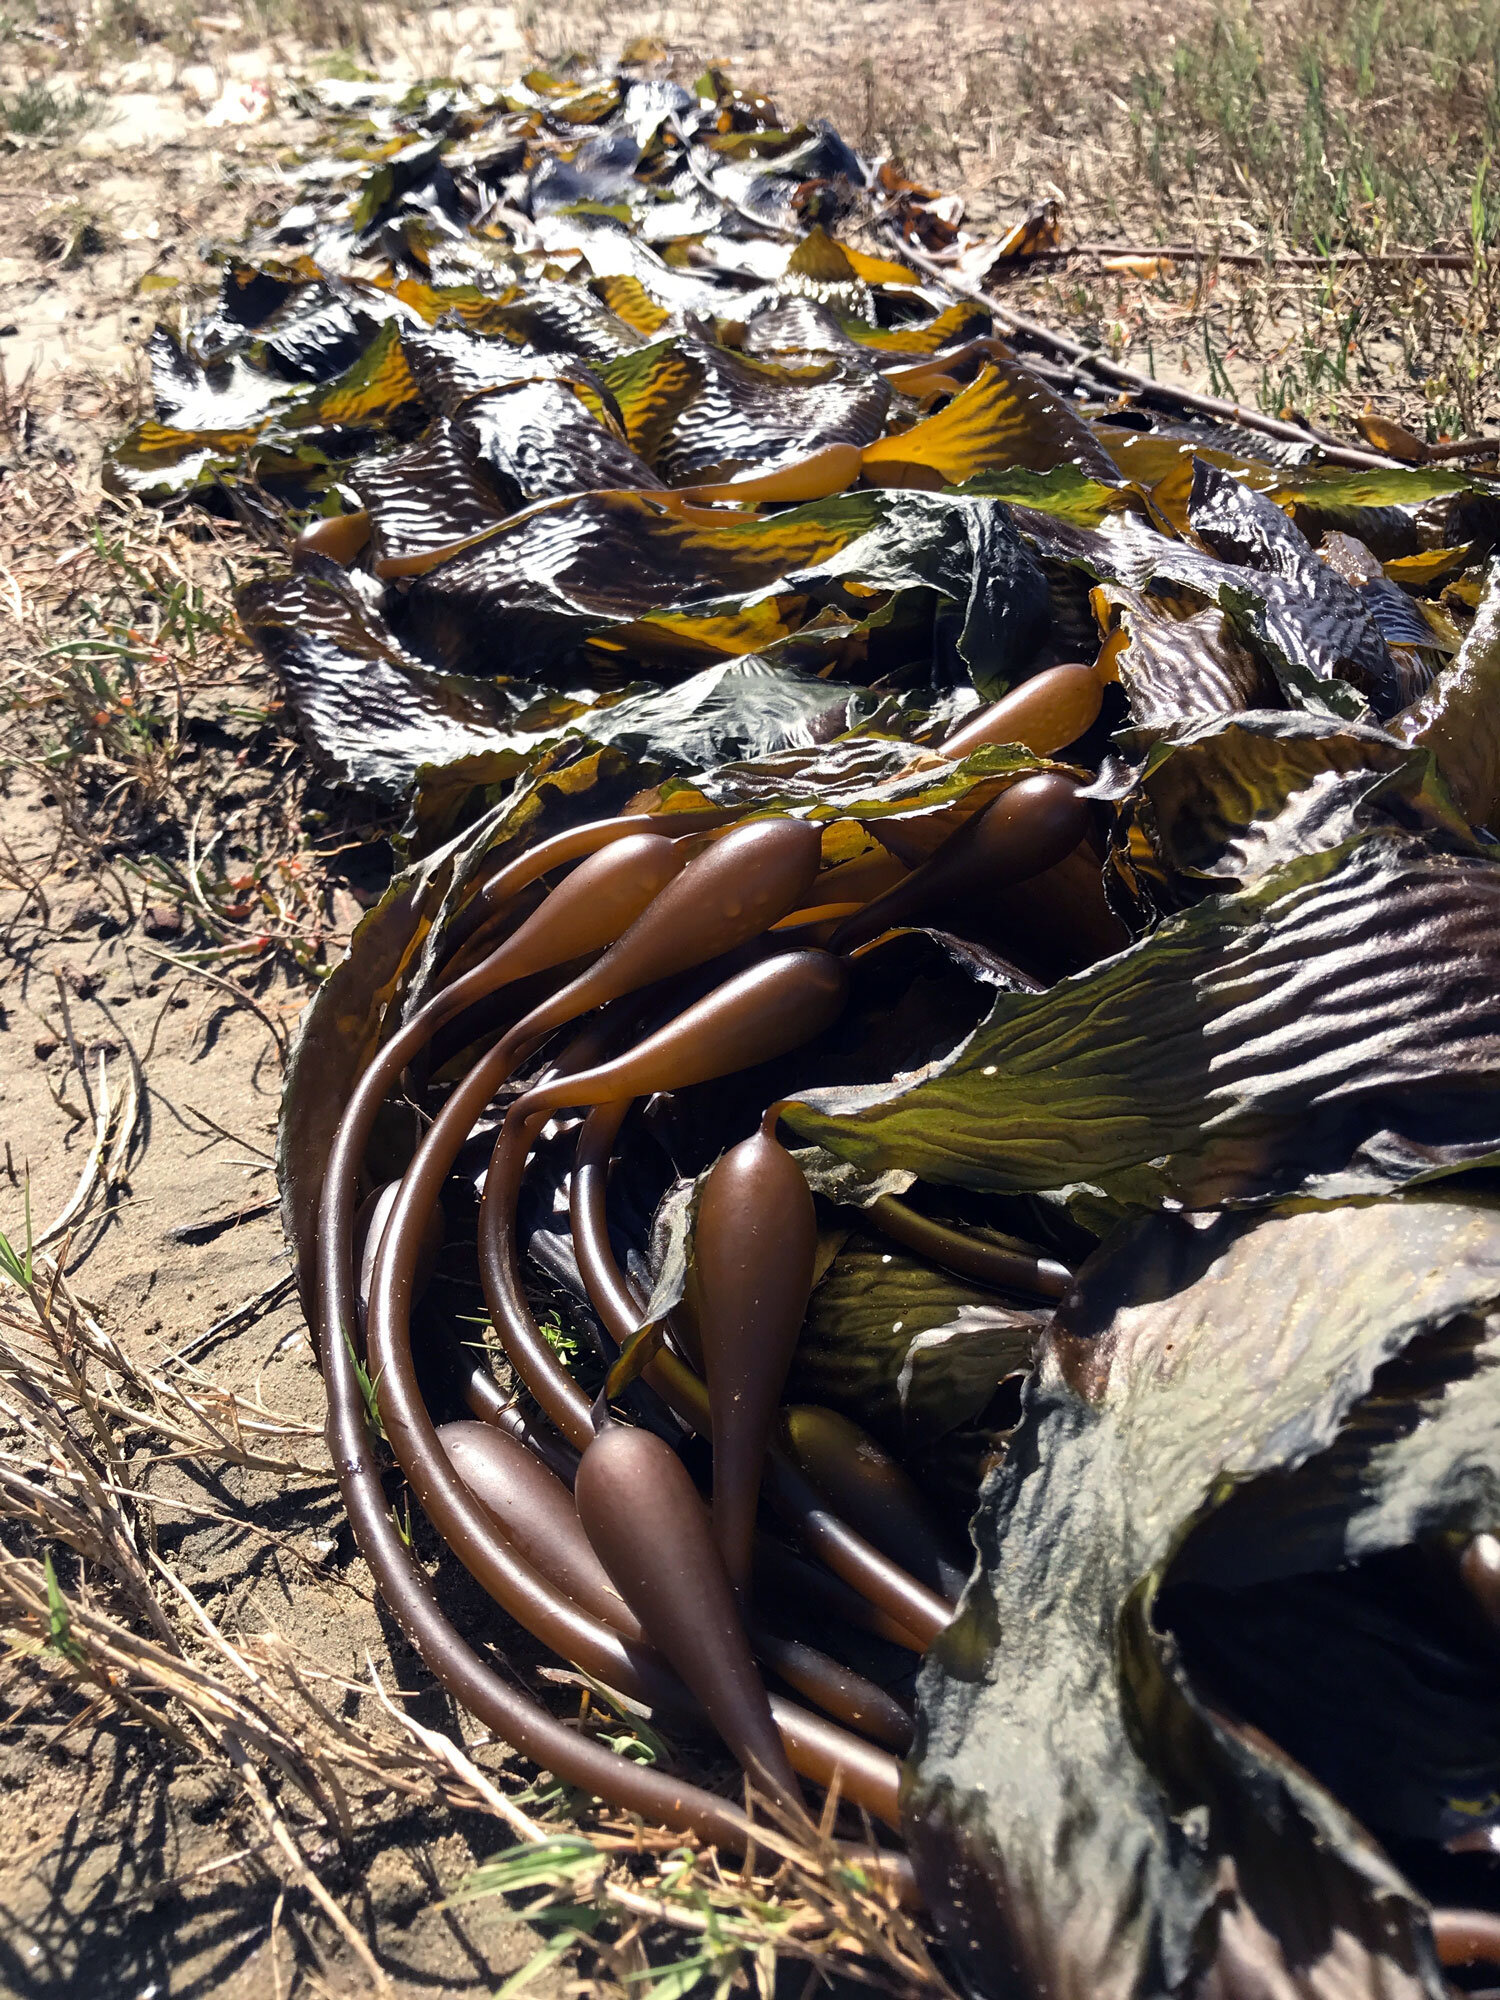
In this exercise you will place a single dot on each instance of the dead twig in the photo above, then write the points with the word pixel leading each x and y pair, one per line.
pixel 237 993
pixel 247 1309
pixel 1268 259
pixel 1144 389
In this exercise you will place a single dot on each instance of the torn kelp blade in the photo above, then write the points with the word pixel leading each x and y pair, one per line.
pixel 1177 672
pixel 906 1348
pixel 1323 1029
pixel 1458 719
pixel 1065 1747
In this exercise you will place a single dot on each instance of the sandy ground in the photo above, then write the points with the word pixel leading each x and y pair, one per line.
pixel 126 1870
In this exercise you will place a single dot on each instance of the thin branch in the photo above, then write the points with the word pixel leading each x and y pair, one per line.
pixel 238 993
pixel 1268 259
pixel 1144 388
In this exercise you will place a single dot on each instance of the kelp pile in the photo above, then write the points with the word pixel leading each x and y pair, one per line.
pixel 948 977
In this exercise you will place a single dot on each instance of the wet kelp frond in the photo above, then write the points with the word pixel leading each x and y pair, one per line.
pixel 942 998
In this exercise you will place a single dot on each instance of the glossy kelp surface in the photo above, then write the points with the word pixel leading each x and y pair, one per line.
pixel 945 974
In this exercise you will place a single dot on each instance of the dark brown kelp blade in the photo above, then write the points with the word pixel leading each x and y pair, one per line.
pixel 372 712
pixel 906 1349
pixel 426 499
pixel 543 580
pixel 1178 671
pixel 1199 1591
pixel 753 1251
pixel 747 413
pixel 651 1531
pixel 538 441
pixel 1479 1567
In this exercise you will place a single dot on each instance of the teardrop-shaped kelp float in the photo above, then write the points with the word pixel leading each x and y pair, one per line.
pixel 753 1248
pixel 537 1511
pixel 651 1531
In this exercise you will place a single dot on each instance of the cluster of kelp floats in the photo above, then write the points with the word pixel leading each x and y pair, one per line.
pixel 947 984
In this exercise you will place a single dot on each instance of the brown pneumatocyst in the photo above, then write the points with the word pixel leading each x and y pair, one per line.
pixel 650 1530
pixel 753 1252
pixel 340 538
pixel 489 905
pixel 1045 714
pixel 1479 1568
pixel 1466 1937
pixel 1033 825
pixel 725 896
pixel 587 912
pixel 759 1013
pixel 593 906
pixel 537 1511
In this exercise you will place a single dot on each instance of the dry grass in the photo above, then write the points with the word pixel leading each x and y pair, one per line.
pixel 1338 125
pixel 134 701
pixel 92 1614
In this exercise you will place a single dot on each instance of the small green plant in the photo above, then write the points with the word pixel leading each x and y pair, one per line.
pixel 69 233
pixel 342 68
pixel 572 1865
pixel 59 1622
pixel 1218 380
pixel 19 1269
pixel 35 112
pixel 370 1391
pixel 559 1338
pixel 103 706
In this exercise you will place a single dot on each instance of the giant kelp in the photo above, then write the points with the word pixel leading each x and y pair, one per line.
pixel 945 977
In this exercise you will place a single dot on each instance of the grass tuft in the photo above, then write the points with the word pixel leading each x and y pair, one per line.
pixel 38 112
